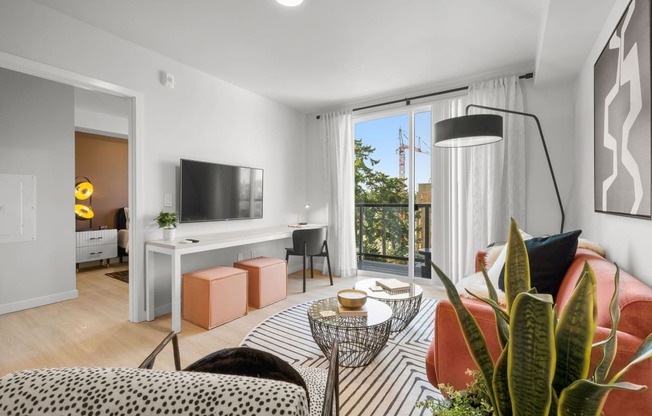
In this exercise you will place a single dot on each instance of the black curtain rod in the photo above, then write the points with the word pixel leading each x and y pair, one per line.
pixel 432 94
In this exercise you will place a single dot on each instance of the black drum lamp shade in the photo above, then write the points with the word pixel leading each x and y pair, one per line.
pixel 469 130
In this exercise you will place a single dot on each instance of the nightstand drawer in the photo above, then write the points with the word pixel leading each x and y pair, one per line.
pixel 96 237
pixel 99 252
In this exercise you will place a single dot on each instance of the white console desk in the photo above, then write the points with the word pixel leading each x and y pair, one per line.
pixel 180 246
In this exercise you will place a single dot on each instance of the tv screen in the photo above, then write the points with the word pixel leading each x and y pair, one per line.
pixel 216 192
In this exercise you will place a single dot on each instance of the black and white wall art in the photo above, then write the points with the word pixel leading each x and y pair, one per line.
pixel 623 144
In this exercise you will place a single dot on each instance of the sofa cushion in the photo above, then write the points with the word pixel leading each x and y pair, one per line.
pixel 550 258
pixel 121 391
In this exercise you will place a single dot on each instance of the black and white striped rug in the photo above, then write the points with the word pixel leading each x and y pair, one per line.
pixel 391 385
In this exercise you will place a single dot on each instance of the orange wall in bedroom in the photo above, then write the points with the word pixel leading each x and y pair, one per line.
pixel 104 161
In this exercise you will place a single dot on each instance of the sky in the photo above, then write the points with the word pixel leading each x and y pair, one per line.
pixel 383 134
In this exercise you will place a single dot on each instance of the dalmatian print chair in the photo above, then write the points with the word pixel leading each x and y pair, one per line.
pixel 142 391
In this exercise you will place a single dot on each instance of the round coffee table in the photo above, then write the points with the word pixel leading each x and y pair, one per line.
pixel 405 304
pixel 360 338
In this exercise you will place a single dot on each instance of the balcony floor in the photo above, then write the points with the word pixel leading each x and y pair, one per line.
pixel 389 268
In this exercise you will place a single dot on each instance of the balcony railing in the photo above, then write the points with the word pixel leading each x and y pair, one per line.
pixel 382 231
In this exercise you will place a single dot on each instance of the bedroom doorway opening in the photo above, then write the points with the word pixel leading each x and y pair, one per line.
pixel 102 171
pixel 136 286
pixel 102 164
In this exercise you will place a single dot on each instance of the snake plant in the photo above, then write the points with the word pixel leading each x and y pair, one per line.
pixel 544 365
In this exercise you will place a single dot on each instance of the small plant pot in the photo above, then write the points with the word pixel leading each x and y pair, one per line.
pixel 169 233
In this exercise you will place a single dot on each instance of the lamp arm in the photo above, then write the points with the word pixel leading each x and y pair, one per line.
pixel 545 149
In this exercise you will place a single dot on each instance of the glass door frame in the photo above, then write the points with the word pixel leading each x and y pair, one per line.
pixel 410 111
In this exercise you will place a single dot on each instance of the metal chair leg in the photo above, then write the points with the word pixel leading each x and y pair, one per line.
pixel 328 261
pixel 332 393
pixel 312 268
pixel 149 361
pixel 304 273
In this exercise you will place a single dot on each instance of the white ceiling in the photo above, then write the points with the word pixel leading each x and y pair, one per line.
pixel 327 53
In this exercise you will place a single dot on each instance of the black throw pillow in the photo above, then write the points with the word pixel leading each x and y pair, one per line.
pixel 243 361
pixel 550 257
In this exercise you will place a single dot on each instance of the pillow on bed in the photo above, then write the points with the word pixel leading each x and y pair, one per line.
pixel 126 209
pixel 550 257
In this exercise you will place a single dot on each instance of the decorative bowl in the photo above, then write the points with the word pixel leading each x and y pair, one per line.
pixel 352 298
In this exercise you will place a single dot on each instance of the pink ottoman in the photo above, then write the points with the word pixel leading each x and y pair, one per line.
pixel 212 297
pixel 268 280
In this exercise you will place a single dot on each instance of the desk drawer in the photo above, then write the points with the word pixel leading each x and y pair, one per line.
pixel 99 252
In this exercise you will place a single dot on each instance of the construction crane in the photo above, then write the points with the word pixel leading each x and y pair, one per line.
pixel 402 147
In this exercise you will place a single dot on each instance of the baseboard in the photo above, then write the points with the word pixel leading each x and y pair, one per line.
pixel 163 309
pixel 36 302
pixel 298 265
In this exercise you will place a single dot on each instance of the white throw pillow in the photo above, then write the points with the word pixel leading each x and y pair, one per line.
pixel 476 285
pixel 494 270
pixel 497 267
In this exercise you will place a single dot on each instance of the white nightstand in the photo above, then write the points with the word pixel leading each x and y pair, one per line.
pixel 97 245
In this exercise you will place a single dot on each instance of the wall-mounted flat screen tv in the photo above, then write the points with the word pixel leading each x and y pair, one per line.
pixel 217 192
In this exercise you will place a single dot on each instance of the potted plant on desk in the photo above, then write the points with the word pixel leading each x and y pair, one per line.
pixel 168 222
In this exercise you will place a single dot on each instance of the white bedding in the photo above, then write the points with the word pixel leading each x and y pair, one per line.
pixel 123 239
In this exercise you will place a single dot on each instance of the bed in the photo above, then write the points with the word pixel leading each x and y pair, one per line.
pixel 122 224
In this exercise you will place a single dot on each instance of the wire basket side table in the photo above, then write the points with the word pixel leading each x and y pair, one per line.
pixel 405 304
pixel 360 339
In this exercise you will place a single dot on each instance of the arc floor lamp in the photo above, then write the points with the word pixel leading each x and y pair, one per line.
pixel 481 129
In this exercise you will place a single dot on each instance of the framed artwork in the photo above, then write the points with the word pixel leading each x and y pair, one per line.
pixel 622 124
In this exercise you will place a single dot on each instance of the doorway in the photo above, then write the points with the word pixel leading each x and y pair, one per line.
pixel 135 133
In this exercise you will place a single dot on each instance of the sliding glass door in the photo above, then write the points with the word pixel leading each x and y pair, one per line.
pixel 392 171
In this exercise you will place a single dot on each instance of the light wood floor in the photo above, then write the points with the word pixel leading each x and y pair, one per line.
pixel 93 330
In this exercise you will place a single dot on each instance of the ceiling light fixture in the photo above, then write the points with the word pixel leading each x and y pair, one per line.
pixel 290 3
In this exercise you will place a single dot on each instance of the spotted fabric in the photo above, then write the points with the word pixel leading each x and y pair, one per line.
pixel 315 379
pixel 129 391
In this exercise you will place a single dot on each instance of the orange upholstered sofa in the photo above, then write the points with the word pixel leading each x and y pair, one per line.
pixel 448 356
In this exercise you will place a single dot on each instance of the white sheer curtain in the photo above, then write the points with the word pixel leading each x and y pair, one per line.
pixel 336 136
pixel 477 189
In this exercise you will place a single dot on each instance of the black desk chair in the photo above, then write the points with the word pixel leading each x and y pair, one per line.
pixel 309 243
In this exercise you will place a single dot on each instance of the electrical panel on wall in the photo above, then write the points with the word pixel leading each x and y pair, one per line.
pixel 17 208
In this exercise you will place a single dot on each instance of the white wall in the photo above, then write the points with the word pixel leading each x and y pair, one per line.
pixel 99 123
pixel 202 118
pixel 37 138
pixel 554 106
pixel 316 190
pixel 627 240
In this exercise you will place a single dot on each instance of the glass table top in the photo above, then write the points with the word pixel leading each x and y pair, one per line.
pixel 367 285
pixel 325 312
